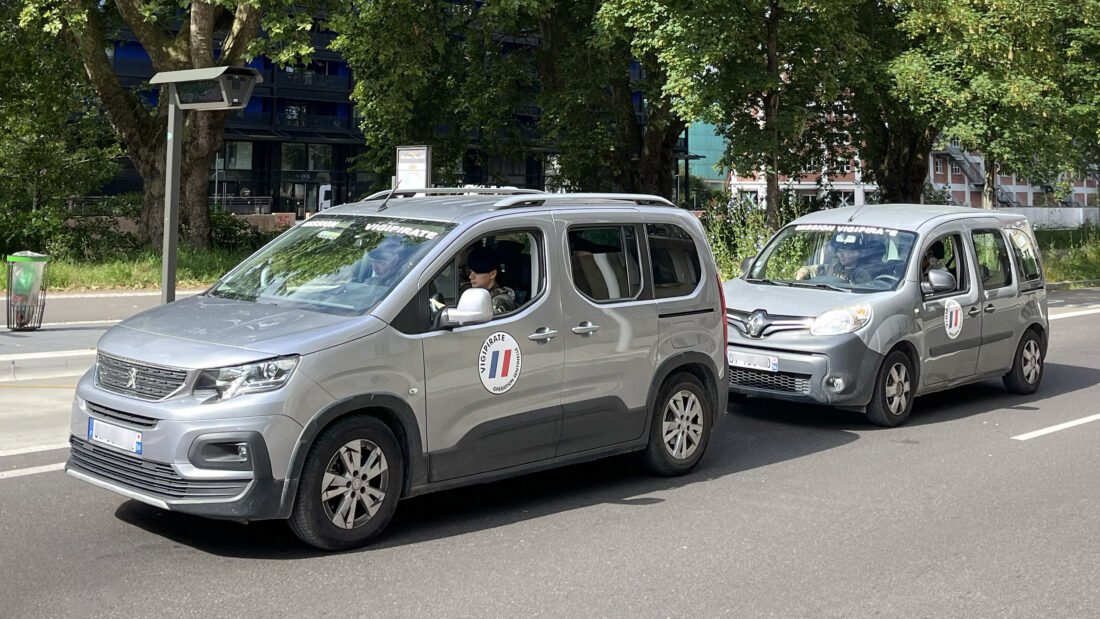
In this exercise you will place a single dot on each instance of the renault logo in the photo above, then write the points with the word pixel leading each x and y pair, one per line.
pixel 757 322
pixel 131 380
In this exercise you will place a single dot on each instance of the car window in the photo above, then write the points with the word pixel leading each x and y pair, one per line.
pixel 946 254
pixel 339 264
pixel 992 255
pixel 505 263
pixel 604 262
pixel 1027 258
pixel 831 256
pixel 675 260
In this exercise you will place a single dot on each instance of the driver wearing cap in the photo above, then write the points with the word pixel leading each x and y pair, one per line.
pixel 849 250
pixel 482 262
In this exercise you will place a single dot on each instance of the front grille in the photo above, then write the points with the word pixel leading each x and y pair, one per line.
pixel 787 382
pixel 146 476
pixel 130 419
pixel 150 382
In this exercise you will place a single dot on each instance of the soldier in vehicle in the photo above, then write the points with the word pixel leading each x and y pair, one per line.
pixel 482 262
pixel 852 260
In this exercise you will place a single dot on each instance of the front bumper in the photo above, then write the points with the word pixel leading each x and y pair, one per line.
pixel 805 375
pixel 175 470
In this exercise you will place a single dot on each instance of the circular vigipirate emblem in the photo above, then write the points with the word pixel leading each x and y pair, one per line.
pixel 952 318
pixel 499 362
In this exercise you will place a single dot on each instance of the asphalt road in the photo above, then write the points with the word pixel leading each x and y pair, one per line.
pixel 794 511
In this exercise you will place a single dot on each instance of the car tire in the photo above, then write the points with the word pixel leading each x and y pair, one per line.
pixel 894 388
pixel 1027 366
pixel 350 485
pixel 680 428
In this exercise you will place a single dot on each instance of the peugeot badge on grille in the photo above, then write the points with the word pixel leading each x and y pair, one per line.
pixel 131 380
pixel 757 322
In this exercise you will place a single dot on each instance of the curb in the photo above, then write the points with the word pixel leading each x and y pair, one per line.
pixel 28 366
pixel 1083 283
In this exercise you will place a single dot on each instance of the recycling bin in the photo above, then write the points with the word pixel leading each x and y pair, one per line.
pixel 27 272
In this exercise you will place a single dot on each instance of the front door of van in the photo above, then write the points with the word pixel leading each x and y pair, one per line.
pixel 951 321
pixel 1002 305
pixel 493 390
pixel 610 332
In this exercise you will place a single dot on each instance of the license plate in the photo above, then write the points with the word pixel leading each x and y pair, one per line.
pixel 752 362
pixel 114 436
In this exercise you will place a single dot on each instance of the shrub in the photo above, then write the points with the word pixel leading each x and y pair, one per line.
pixel 229 232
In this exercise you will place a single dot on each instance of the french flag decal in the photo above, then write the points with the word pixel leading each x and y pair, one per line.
pixel 952 318
pixel 499 362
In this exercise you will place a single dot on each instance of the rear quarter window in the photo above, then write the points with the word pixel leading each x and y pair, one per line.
pixel 675 260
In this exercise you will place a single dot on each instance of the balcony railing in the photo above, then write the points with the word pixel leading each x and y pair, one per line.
pixel 313 80
pixel 315 121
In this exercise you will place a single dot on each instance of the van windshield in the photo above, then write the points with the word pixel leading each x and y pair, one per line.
pixel 339 264
pixel 828 256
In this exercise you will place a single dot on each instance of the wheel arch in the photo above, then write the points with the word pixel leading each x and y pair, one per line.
pixel 698 365
pixel 910 351
pixel 387 408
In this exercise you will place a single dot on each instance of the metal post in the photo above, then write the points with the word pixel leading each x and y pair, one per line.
pixel 171 198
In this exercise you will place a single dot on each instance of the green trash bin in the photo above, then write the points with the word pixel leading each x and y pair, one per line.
pixel 27 273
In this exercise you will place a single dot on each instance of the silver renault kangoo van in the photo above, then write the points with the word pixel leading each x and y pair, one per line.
pixel 415 341
pixel 868 307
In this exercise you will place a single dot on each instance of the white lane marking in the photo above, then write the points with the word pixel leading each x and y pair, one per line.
pixel 34 470
pixel 26 356
pixel 1072 314
pixel 1061 426
pixel 31 450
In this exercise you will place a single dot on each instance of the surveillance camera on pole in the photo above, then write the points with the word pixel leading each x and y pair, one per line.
pixel 213 88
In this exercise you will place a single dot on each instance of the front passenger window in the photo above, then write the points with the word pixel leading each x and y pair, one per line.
pixel 992 253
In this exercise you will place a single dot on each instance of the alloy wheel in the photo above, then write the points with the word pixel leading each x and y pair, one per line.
pixel 355 484
pixel 683 425
pixel 897 389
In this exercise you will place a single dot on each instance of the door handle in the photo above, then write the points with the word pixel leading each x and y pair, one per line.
pixel 973 312
pixel 542 334
pixel 989 308
pixel 585 328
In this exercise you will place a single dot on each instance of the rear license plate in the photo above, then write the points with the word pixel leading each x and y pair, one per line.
pixel 127 440
pixel 752 362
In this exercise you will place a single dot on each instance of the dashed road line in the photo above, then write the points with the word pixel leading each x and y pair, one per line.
pixel 1073 314
pixel 35 449
pixel 1061 426
pixel 34 470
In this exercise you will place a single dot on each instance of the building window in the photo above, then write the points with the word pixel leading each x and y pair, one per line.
pixel 320 157
pixel 939 166
pixel 848 167
pixel 955 142
pixel 238 155
pixel 294 156
pixel 955 169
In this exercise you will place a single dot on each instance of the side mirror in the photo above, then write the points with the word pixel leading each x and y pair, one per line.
pixel 475 307
pixel 746 264
pixel 937 280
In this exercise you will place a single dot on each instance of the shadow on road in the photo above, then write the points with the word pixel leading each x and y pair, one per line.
pixel 739 443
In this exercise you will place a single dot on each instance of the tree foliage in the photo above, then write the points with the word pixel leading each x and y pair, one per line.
pixel 996 75
pixel 53 142
pixel 512 79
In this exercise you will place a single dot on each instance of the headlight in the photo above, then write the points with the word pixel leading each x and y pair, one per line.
pixel 841 320
pixel 251 378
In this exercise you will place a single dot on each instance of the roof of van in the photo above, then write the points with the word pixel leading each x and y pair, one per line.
pixel 900 216
pixel 453 207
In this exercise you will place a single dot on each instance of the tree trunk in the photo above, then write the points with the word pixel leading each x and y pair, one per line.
pixel 151 224
pixel 771 116
pixel 989 191
pixel 902 152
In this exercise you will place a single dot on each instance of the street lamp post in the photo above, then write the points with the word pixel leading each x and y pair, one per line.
pixel 214 88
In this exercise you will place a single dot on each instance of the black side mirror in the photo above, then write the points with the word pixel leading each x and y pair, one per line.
pixel 936 281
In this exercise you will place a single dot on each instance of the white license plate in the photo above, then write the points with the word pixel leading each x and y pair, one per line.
pixel 114 436
pixel 752 362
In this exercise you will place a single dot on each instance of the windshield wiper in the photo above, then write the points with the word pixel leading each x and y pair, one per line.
pixel 802 284
pixel 764 280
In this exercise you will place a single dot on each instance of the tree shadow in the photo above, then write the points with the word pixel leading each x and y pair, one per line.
pixel 738 443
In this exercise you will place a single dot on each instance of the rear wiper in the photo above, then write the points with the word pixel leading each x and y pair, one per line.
pixel 764 280
pixel 819 285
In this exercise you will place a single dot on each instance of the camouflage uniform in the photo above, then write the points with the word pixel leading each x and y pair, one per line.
pixel 504 299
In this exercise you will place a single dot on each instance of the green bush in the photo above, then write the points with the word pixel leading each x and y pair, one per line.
pixel 737 226
pixel 229 232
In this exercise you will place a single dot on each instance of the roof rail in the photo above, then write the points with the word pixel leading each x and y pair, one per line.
pixel 452 191
pixel 636 198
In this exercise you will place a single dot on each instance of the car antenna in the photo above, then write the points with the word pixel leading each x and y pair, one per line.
pixel 383 207
pixel 857 212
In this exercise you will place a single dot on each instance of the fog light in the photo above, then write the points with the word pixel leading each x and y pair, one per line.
pixel 242 451
pixel 837 384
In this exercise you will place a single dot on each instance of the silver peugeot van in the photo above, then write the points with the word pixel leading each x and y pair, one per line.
pixel 415 341
pixel 866 308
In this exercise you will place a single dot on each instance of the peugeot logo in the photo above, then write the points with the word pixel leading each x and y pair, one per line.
pixel 757 322
pixel 131 380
